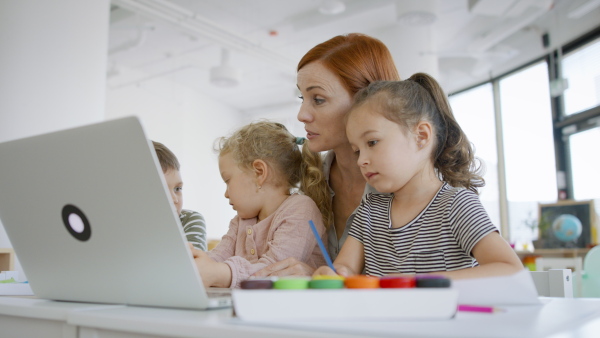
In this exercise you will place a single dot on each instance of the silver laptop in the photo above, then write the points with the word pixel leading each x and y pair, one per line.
pixel 88 213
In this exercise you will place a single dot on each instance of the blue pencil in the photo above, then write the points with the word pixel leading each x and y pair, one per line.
pixel 321 246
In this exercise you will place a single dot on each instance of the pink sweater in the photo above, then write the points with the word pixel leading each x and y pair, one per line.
pixel 249 246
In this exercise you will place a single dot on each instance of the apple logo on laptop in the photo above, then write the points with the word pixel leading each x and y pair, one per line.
pixel 76 222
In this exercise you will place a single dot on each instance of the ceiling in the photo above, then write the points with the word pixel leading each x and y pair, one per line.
pixel 468 40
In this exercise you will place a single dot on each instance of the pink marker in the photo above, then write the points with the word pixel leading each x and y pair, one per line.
pixel 473 308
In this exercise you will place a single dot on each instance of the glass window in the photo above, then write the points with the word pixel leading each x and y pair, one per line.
pixel 528 147
pixel 474 111
pixel 585 163
pixel 581 68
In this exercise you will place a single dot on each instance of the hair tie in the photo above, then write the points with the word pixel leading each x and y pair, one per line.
pixel 300 140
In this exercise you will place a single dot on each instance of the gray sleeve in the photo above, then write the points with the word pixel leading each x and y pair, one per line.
pixel 194 227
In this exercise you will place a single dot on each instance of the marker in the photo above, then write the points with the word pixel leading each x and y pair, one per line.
pixel 472 308
pixel 321 246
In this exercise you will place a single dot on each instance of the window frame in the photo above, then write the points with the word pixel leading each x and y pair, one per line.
pixel 563 126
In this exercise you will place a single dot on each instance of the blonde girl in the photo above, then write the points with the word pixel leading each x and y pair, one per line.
pixel 262 165
pixel 428 217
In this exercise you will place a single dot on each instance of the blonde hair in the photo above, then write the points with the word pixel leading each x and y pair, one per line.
pixel 420 98
pixel 166 158
pixel 274 144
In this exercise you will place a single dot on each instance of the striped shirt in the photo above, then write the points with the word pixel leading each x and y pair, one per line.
pixel 194 228
pixel 440 238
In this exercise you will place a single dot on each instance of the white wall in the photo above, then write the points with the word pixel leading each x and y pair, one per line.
pixel 52 66
pixel 188 123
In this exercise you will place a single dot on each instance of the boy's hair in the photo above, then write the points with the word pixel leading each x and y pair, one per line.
pixel 274 144
pixel 420 98
pixel 166 158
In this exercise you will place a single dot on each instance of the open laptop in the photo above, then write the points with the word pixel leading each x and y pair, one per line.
pixel 89 215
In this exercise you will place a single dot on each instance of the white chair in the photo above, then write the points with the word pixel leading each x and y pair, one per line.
pixel 553 283
pixel 591 273
pixel 575 264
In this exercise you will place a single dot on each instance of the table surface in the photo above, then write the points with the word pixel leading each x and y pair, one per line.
pixel 557 318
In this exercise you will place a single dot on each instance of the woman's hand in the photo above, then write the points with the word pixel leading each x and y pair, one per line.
pixel 287 267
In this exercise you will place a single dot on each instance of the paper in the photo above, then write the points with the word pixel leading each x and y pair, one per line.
pixel 15 289
pixel 517 289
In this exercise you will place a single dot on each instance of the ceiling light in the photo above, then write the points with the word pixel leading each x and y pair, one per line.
pixel 332 7
pixel 225 75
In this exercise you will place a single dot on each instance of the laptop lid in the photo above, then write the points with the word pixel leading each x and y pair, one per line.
pixel 88 213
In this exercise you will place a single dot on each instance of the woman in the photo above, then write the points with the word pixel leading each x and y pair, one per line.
pixel 328 77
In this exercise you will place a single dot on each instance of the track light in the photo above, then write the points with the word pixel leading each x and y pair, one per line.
pixel 225 75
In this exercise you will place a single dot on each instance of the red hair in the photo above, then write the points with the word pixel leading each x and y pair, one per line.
pixel 357 59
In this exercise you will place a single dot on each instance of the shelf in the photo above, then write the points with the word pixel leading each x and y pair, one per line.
pixel 7 259
pixel 562 252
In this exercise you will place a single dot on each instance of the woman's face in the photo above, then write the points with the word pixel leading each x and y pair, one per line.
pixel 325 102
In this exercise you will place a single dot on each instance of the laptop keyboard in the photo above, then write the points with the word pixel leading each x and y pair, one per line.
pixel 218 292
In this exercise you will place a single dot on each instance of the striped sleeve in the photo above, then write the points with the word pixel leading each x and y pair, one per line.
pixel 359 221
pixel 194 227
pixel 469 220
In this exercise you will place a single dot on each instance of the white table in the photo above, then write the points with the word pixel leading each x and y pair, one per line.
pixel 20 317
pixel 31 317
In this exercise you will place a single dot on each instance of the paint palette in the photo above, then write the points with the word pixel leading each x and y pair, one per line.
pixel 353 298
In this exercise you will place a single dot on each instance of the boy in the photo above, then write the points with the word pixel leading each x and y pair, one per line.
pixel 193 223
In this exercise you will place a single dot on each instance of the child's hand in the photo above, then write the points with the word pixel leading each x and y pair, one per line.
pixel 212 272
pixel 192 248
pixel 324 271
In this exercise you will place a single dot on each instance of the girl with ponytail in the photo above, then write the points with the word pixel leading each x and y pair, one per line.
pixel 263 166
pixel 426 216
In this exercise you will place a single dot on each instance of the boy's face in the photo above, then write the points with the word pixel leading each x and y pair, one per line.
pixel 175 185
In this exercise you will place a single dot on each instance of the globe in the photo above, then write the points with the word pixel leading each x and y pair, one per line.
pixel 567 228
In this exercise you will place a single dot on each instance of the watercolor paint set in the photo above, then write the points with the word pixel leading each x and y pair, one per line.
pixel 351 298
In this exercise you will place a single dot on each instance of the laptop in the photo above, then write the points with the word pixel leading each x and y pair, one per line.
pixel 89 216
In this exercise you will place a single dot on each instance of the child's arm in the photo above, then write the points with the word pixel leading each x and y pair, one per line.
pixel 194 227
pixel 350 261
pixel 213 273
pixel 226 247
pixel 289 235
pixel 495 258
pixel 210 264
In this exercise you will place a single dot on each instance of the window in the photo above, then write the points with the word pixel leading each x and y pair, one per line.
pixel 540 136
pixel 580 122
pixel 528 146
pixel 474 111
pixel 581 68
pixel 585 163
